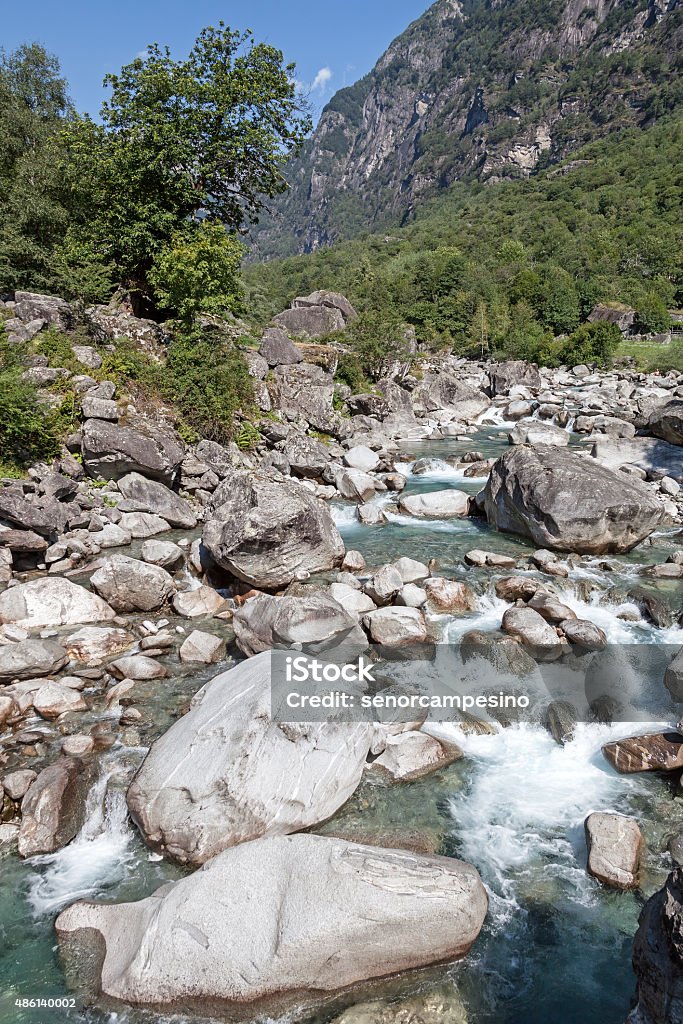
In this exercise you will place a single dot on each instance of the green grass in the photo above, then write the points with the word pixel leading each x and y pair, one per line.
pixel 650 356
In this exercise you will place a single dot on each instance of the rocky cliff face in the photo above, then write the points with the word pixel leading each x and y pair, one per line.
pixel 476 89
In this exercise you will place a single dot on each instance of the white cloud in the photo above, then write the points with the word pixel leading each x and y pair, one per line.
pixel 321 80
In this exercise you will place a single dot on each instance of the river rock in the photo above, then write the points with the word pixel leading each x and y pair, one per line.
pixel 316 619
pixel 560 720
pixel 551 608
pixel 266 532
pixel 396 627
pixel 673 677
pixel 529 627
pixel 201 602
pixel 534 433
pixel 583 634
pixel 183 948
pixel 202 648
pixel 130 585
pixel 615 843
pixel 93 644
pixel 440 1006
pixel 137 666
pixel 163 553
pixel 155 497
pixel 384 585
pixel 363 458
pixel 354 601
pixel 30 659
pixel 16 784
pixel 354 485
pixel 53 810
pixel 412 755
pixel 449 597
pixel 54 699
pixel 410 570
pixel 656 752
pixel 446 504
pixel 112 451
pixel 667 422
pixel 658 957
pixel 227 773
pixel 141 525
pixel 567 502
pixel 52 602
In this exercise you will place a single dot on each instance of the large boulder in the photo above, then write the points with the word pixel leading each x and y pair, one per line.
pixel 329 300
pixel 30 307
pixel 514 373
pixel 267 532
pixel 658 957
pixel 31 659
pixel 535 433
pixel 446 504
pixel 151 496
pixel 111 451
pixel 317 619
pixel 52 602
pixel 53 810
pixel 307 392
pixel 323 915
pixel 567 502
pixel 310 321
pixel 615 844
pixel 306 456
pixel 42 514
pixel 277 349
pixel 648 453
pixel 227 773
pixel 130 585
pixel 667 422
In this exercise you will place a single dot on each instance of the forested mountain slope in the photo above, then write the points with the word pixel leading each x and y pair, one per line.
pixel 478 90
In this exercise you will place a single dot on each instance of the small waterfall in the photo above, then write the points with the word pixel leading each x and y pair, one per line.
pixel 100 857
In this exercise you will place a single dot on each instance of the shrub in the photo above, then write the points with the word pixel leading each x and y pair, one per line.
pixel 209 382
pixel 652 316
pixel 28 431
pixel 591 343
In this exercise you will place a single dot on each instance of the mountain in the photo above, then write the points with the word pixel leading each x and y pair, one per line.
pixel 483 90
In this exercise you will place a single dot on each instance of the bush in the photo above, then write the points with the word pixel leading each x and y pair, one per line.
pixel 591 343
pixel 378 341
pixel 349 371
pixel 209 382
pixel 28 431
pixel 652 316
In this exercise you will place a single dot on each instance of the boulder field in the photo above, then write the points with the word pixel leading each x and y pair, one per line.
pixel 144 582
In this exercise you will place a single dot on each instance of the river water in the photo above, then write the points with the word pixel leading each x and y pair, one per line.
pixel 556 946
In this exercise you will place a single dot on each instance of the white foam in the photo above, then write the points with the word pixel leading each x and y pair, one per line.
pixel 100 855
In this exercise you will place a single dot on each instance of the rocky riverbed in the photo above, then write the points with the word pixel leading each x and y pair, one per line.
pixel 203 860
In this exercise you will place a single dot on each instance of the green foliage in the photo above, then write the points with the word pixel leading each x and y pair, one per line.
pixel 198 272
pixel 33 218
pixel 378 341
pixel 28 432
pixel 208 133
pixel 652 316
pixel 350 372
pixel 247 437
pixel 505 268
pixel 591 343
pixel 208 381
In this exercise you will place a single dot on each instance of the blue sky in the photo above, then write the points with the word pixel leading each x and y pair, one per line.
pixel 333 42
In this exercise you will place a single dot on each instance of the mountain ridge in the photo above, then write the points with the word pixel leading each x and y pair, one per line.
pixel 475 89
